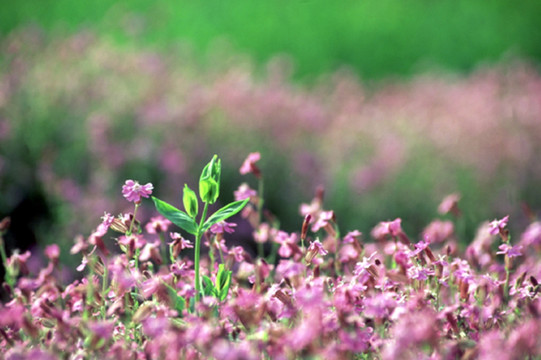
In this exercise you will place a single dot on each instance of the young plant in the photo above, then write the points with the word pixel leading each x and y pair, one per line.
pixel 209 190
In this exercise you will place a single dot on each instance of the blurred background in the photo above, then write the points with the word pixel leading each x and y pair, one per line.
pixel 389 105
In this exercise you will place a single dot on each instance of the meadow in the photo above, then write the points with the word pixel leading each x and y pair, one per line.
pixel 372 190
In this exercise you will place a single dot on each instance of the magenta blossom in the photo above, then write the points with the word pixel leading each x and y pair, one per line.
pixel 510 251
pixel 223 227
pixel 324 218
pixel 350 236
pixel 496 226
pixel 157 225
pixel 133 191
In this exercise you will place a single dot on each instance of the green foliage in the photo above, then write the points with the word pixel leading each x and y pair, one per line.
pixel 221 288
pixel 224 213
pixel 209 182
pixel 190 201
pixel 176 216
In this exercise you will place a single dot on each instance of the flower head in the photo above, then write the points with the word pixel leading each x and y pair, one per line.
pixel 223 227
pixel 510 251
pixel 157 225
pixel 133 191
pixel 498 226
pixel 249 166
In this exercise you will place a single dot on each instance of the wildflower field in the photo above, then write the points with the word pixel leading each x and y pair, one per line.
pixel 316 293
pixel 270 180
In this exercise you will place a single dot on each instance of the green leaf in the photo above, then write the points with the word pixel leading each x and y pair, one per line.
pixel 176 216
pixel 224 213
pixel 223 281
pixel 220 277
pixel 179 303
pixel 190 202
pixel 208 286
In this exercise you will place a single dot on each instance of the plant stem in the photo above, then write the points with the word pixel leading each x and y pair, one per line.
pixel 260 249
pixel 133 219
pixel 104 288
pixel 197 253
pixel 8 276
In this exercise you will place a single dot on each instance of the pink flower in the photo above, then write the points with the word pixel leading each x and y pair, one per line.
pixel 438 231
pixel 52 252
pixel 350 236
pixel 223 227
pixel 419 247
pixel 178 244
pixel 324 218
pixel 244 192
pixel 384 228
pixel 449 204
pixel 249 166
pixel 238 253
pixel 419 273
pixel 510 251
pixel 317 247
pixel 157 225
pixel 532 235
pixel 496 226
pixel 133 191
pixel 106 221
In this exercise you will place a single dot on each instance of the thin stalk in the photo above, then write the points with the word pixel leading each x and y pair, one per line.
pixel 133 219
pixel 197 253
pixel 8 276
pixel 104 288
pixel 260 249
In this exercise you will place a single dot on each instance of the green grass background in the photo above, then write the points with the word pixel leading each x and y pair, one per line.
pixel 377 38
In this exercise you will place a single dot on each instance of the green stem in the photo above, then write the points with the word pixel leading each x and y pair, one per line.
pixel 197 253
pixel 133 220
pixel 8 276
pixel 163 248
pixel 104 288
pixel 506 286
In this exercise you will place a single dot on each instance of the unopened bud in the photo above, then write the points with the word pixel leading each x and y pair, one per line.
pixel 4 225
pixel 305 225
pixel 119 225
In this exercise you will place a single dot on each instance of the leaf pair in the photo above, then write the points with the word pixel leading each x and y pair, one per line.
pixel 188 224
pixel 221 288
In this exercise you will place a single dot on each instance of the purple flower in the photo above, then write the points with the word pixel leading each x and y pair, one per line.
pixel 223 227
pixel 510 251
pixel 133 191
pixel 496 226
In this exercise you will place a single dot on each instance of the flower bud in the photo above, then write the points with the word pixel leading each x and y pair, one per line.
pixel 190 202
pixel 209 182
